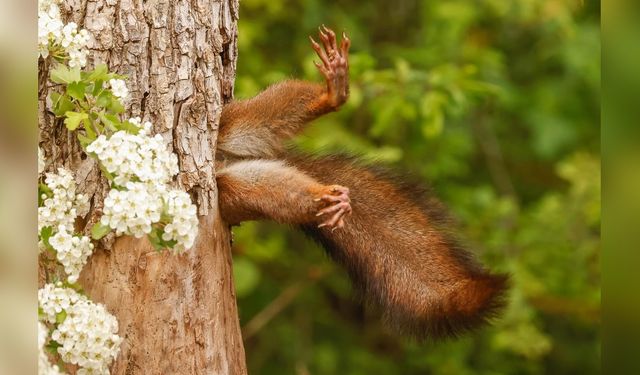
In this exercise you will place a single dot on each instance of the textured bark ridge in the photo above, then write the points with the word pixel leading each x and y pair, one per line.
pixel 178 314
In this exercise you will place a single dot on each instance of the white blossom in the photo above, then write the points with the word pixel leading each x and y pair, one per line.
pixel 183 227
pixel 53 33
pixel 142 166
pixel 59 213
pixel 119 88
pixel 145 128
pixel 135 157
pixel 71 251
pixel 133 211
pixel 75 43
pixel 87 334
pixel 52 299
pixel 64 205
pixel 44 366
pixel 49 24
pixel 61 241
pixel 139 206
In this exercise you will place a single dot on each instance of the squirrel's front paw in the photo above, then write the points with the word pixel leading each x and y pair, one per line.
pixel 334 66
pixel 339 205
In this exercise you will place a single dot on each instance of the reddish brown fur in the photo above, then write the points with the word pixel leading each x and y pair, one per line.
pixel 395 245
pixel 397 250
pixel 256 127
pixel 266 189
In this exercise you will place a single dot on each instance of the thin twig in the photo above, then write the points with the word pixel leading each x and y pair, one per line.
pixel 283 300
pixel 493 156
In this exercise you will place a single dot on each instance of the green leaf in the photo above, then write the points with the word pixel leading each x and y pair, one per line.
pixel 99 230
pixel 75 286
pixel 44 189
pixel 96 125
pixel 63 74
pixel 129 127
pixel 155 239
pixel 432 101
pixel 84 140
pixel 52 347
pixel 91 134
pixel 432 109
pixel 61 316
pixel 55 97
pixel 108 101
pixel 97 87
pixel 100 73
pixel 45 234
pixel 104 99
pixel 61 103
pixel 116 106
pixel 110 121
pixel 76 90
pixel 73 119
pixel 106 173
pixel 433 124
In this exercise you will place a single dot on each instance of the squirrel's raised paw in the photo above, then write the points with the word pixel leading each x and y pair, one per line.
pixel 335 64
pixel 338 206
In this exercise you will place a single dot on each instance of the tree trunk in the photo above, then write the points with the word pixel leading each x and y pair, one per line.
pixel 177 313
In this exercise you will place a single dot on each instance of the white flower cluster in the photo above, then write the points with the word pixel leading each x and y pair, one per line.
pixel 119 88
pixel 59 213
pixel 88 333
pixel 64 205
pixel 134 210
pixel 49 24
pixel 41 162
pixel 52 32
pixel 44 366
pixel 71 251
pixel 183 227
pixel 75 42
pixel 135 157
pixel 142 167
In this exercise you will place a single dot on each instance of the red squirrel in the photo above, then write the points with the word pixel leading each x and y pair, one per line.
pixel 391 237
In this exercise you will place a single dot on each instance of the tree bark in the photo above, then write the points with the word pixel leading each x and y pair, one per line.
pixel 177 313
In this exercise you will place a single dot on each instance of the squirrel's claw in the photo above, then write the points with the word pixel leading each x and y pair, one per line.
pixel 322 55
pixel 335 64
pixel 339 207
pixel 344 46
pixel 328 38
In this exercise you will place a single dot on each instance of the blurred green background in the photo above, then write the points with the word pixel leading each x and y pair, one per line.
pixel 495 104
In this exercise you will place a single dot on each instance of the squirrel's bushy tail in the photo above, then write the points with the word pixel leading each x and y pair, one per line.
pixel 396 248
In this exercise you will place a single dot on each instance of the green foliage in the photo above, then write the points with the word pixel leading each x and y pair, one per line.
pixel 159 243
pixel 45 234
pixel 61 316
pixel 91 109
pixel 86 103
pixel 99 230
pixel 247 276
pixel 496 104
